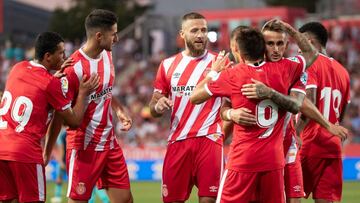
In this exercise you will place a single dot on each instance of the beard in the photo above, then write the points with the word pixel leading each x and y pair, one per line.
pixel 195 50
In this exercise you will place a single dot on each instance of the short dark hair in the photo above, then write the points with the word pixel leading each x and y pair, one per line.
pixel 100 19
pixel 316 29
pixel 46 42
pixel 192 16
pixel 251 43
pixel 274 27
pixel 237 31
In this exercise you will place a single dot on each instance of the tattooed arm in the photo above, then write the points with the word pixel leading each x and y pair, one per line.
pixel 308 51
pixel 259 90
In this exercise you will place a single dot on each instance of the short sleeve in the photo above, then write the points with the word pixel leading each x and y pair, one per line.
pixel 221 85
pixel 73 83
pixel 295 67
pixel 161 83
pixel 312 77
pixel 300 85
pixel 56 94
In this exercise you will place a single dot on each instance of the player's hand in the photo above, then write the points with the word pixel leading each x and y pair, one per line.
pixel 220 63
pixel 60 73
pixel 163 104
pixel 125 120
pixel 256 90
pixel 339 131
pixel 89 85
pixel 243 116
pixel 46 159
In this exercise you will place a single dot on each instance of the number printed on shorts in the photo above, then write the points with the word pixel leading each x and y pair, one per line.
pixel 20 110
pixel 266 116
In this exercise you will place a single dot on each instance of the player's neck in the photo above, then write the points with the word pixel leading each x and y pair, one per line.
pixel 92 50
pixel 254 63
pixel 42 63
pixel 189 53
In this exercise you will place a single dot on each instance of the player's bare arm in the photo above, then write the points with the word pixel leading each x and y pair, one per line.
pixel 51 136
pixel 241 116
pixel 200 95
pixel 159 104
pixel 259 90
pixel 308 51
pixel 73 116
pixel 121 114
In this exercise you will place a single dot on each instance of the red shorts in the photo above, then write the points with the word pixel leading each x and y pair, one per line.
pixel 294 187
pixel 86 167
pixel 22 181
pixel 322 178
pixel 195 161
pixel 240 187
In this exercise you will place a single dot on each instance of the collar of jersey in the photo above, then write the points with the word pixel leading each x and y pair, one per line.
pixel 33 63
pixel 88 57
pixel 192 58
pixel 252 65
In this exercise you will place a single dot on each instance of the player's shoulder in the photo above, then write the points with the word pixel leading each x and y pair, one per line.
pixel 294 59
pixel 169 60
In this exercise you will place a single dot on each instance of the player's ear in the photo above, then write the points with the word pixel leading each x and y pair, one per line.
pixel 98 35
pixel 182 34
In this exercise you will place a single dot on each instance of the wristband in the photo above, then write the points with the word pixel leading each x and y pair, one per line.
pixel 228 114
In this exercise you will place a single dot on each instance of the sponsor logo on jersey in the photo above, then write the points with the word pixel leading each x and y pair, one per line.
pixel 184 90
pixel 80 188
pixel 105 93
pixel 64 85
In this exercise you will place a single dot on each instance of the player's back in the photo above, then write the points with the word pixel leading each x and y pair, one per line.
pixel 259 148
pixel 25 112
pixel 332 84
pixel 96 130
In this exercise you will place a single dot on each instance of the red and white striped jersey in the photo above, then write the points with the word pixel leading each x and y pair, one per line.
pixel 176 78
pixel 96 131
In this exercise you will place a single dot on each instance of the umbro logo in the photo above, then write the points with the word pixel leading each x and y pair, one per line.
pixel 213 189
pixel 176 75
pixel 297 188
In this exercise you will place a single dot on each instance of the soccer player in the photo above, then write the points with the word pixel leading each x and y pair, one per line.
pixel 30 95
pixel 329 89
pixel 93 153
pixel 256 156
pixel 194 152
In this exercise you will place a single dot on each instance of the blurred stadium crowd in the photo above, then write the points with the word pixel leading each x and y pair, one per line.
pixel 134 77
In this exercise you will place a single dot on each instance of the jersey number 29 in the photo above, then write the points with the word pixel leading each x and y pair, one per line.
pixel 20 111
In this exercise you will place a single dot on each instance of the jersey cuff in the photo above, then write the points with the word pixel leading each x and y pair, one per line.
pixel 66 106
pixel 208 90
pixel 298 90
pixel 158 90
pixel 304 62
pixel 311 86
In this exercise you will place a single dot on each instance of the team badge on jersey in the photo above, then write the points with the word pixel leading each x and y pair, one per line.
pixel 165 191
pixel 304 78
pixel 294 59
pixel 64 85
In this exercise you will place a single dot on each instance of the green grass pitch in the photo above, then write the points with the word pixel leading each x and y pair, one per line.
pixel 149 192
